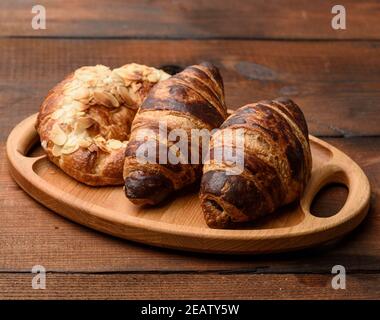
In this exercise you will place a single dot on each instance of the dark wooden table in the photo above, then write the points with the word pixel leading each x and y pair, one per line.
pixel 264 48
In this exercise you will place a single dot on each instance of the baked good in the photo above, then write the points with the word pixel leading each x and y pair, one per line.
pixel 84 122
pixel 192 99
pixel 277 164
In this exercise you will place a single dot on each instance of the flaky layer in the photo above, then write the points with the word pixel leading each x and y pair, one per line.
pixel 277 164
pixel 192 99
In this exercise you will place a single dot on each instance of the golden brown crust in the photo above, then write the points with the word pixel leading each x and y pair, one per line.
pixel 277 164
pixel 84 122
pixel 192 99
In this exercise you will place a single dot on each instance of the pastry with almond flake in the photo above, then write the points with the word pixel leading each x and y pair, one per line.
pixel 84 123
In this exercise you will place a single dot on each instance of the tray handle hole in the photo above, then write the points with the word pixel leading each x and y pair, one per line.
pixel 35 150
pixel 329 200
pixel 29 145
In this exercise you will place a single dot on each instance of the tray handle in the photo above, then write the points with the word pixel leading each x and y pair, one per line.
pixel 339 170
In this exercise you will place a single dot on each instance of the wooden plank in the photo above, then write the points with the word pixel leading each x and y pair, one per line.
pixel 31 234
pixel 188 286
pixel 259 19
pixel 337 84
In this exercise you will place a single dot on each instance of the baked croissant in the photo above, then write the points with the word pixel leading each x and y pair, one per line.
pixel 85 120
pixel 277 164
pixel 192 99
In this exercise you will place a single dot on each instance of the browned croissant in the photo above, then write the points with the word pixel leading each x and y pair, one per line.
pixel 85 120
pixel 277 164
pixel 192 99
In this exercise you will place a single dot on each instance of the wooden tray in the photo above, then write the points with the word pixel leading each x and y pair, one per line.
pixel 179 223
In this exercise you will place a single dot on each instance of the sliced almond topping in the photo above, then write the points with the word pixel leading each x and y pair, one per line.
pixel 133 76
pixel 92 82
pixel 84 143
pixel 101 143
pixel 103 148
pixel 108 80
pixel 69 149
pixel 114 101
pixel 72 86
pixel 124 94
pixel 106 99
pixel 72 141
pixel 153 76
pixel 99 139
pixel 76 105
pixel 86 100
pixel 82 106
pixel 58 136
pixel 116 77
pixel 93 148
pixel 102 69
pixel 114 144
pixel 80 93
pixel 128 72
pixel 146 71
pixel 56 151
pixel 136 86
pixel 84 123
pixel 164 75
pixel 84 76
pixel 57 114
pixel 127 83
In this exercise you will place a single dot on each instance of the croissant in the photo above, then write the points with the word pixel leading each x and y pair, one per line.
pixel 277 164
pixel 84 122
pixel 192 99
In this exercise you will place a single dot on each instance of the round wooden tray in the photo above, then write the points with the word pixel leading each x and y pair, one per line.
pixel 179 223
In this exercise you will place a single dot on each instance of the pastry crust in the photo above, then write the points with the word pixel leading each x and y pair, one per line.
pixel 277 164
pixel 192 99
pixel 84 122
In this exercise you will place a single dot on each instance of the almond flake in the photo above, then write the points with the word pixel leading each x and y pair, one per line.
pixel 80 93
pixel 106 99
pixel 82 106
pixel 56 151
pixel 153 76
pixel 57 114
pixel 58 136
pixel 72 141
pixel 127 83
pixel 84 123
pixel 69 149
pixel 114 144
pixel 164 75
pixel 84 143
pixel 124 94
pixel 136 86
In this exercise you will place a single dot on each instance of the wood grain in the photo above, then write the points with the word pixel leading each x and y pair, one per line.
pixel 41 237
pixel 337 84
pixel 188 286
pixel 259 19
